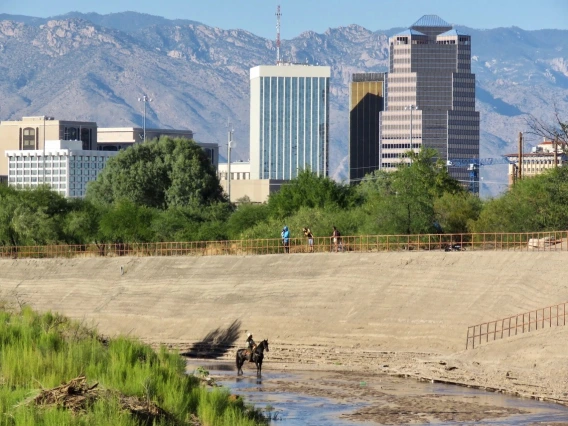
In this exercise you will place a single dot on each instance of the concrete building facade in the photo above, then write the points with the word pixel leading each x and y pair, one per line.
pixel 366 101
pixel 289 120
pixel 257 190
pixel 30 133
pixel 545 156
pixel 64 165
pixel 430 96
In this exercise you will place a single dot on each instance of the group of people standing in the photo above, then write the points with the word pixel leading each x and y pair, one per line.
pixel 335 239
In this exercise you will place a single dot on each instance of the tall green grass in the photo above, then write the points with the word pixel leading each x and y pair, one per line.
pixel 44 350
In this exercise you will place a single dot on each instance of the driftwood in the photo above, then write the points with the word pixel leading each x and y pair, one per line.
pixel 77 395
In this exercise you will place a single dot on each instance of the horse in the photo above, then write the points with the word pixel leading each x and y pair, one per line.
pixel 257 357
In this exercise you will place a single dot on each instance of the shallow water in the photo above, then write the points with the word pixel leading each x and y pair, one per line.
pixel 303 408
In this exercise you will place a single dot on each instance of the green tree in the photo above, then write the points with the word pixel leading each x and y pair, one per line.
pixel 312 191
pixel 245 217
pixel 402 202
pixel 81 225
pixel 534 204
pixel 192 223
pixel 456 211
pixel 126 222
pixel 31 216
pixel 160 174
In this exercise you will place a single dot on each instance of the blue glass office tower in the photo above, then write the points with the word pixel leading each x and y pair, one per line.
pixel 289 121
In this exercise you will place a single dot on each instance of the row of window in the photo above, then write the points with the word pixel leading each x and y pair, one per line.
pixel 37 179
pixel 39 158
pixel 34 172
pixel 235 176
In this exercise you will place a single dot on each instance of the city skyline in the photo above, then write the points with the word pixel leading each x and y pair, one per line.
pixel 299 16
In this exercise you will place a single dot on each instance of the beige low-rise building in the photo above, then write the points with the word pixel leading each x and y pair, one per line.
pixel 242 186
pixel 30 134
pixel 541 158
pixel 119 138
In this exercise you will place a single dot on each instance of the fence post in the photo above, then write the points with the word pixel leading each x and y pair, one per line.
pixel 467 339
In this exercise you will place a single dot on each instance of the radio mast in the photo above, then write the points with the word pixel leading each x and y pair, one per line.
pixel 278 16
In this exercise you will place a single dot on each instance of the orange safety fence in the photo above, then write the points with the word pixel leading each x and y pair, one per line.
pixel 537 241
pixel 517 324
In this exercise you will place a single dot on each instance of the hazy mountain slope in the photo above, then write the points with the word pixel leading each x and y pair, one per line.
pixel 96 69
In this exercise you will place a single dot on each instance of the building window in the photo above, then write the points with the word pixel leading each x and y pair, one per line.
pixel 29 138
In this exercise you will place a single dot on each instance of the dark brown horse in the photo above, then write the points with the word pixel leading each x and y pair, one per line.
pixel 257 357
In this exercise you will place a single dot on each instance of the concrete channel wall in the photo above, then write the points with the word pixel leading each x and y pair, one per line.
pixel 385 301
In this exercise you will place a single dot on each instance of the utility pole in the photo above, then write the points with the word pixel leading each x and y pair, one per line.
pixel 556 152
pixel 229 146
pixel 411 108
pixel 520 170
pixel 43 166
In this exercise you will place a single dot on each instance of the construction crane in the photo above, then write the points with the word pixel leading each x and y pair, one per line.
pixel 473 165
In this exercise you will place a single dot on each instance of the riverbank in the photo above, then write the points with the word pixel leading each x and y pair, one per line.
pixel 337 397
pixel 407 311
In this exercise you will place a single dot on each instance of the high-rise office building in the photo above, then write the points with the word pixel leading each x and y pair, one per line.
pixel 430 96
pixel 289 120
pixel 366 101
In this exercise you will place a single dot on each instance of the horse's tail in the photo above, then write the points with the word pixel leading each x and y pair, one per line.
pixel 237 359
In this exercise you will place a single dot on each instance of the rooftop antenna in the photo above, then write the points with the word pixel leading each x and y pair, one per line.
pixel 278 16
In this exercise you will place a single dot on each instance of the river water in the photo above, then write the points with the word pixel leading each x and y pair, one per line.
pixel 332 398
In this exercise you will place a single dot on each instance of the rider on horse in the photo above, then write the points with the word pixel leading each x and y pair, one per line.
pixel 251 346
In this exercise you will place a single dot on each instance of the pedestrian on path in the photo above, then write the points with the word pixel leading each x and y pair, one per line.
pixel 310 236
pixel 336 239
pixel 285 239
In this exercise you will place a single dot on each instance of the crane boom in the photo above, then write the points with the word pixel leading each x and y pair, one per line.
pixel 465 162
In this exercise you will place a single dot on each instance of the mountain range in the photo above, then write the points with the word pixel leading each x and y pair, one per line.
pixel 95 67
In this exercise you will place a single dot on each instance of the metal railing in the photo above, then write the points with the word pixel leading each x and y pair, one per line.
pixel 517 324
pixel 538 241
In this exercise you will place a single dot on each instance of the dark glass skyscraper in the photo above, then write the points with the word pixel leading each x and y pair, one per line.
pixel 366 101
pixel 430 96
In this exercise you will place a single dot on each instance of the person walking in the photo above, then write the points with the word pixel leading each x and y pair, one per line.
pixel 286 239
pixel 310 236
pixel 336 239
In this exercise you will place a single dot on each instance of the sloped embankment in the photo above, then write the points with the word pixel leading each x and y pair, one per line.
pixel 387 301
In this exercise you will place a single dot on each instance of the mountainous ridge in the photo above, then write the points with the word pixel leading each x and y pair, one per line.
pixel 73 68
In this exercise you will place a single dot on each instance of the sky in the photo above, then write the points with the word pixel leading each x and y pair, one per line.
pixel 258 16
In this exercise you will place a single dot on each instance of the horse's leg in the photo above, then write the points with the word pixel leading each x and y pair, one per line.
pixel 240 363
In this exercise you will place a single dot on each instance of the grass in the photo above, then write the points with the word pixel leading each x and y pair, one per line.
pixel 41 351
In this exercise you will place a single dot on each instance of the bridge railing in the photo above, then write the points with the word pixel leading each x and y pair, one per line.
pixel 526 322
pixel 539 241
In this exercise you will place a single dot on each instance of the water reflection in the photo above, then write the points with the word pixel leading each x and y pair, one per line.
pixel 304 398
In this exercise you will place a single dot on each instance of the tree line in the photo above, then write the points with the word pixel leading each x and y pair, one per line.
pixel 167 190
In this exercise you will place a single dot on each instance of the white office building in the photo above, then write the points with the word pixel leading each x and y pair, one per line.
pixel 289 120
pixel 66 167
